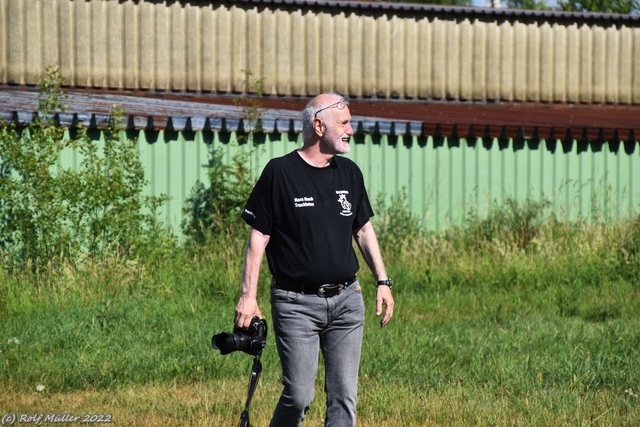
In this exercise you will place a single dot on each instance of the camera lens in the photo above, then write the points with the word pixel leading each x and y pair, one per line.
pixel 251 341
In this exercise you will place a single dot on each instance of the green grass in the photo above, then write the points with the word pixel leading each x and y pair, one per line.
pixel 488 331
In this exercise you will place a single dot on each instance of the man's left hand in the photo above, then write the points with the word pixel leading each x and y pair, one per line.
pixel 384 298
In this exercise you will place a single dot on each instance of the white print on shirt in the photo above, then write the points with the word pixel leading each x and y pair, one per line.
pixel 247 211
pixel 303 202
pixel 346 206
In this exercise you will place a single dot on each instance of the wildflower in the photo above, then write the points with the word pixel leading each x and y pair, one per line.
pixel 40 388
pixel 13 340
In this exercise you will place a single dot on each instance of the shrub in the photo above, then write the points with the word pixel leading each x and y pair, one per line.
pixel 49 212
pixel 215 209
pixel 210 211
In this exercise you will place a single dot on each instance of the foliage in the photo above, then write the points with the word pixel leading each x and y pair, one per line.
pixel 528 4
pixel 250 105
pixel 604 6
pixel 52 212
pixel 215 209
pixel 32 208
pixel 443 2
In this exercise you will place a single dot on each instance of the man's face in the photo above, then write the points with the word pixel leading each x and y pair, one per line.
pixel 337 130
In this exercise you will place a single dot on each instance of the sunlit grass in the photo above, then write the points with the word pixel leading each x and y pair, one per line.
pixel 381 404
pixel 488 331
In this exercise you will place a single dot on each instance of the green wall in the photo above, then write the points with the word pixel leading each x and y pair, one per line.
pixel 442 178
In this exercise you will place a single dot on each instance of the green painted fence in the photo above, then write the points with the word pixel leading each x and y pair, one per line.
pixel 442 178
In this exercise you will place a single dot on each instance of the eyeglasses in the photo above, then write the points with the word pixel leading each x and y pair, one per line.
pixel 339 105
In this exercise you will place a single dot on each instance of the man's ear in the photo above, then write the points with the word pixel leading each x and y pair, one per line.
pixel 318 127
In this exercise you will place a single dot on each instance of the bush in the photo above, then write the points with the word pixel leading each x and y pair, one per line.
pixel 48 212
pixel 215 209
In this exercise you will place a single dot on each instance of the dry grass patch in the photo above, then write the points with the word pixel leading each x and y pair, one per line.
pixel 220 404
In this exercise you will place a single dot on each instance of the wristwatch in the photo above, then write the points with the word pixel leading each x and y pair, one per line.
pixel 386 282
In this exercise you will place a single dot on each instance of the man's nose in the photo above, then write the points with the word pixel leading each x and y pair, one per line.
pixel 349 130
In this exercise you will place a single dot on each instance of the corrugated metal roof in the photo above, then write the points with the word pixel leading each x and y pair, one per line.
pixel 145 111
pixel 302 48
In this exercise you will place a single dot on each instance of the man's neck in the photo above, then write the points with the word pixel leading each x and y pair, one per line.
pixel 314 157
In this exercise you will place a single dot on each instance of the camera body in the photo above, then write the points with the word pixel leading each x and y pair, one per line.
pixel 250 341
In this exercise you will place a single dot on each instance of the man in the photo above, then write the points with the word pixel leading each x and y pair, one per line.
pixel 304 210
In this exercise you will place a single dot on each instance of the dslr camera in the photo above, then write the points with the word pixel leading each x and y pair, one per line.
pixel 251 341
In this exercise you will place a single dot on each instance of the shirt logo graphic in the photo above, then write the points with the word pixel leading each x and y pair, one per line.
pixel 346 205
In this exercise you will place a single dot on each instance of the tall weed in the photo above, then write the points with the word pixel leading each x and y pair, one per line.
pixel 397 228
pixel 518 244
pixel 514 223
pixel 627 250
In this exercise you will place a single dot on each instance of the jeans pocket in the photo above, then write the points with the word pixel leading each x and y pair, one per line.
pixel 356 288
pixel 280 295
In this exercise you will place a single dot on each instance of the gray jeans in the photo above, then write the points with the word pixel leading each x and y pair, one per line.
pixel 304 323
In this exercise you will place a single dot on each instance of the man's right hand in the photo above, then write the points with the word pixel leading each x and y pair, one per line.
pixel 246 310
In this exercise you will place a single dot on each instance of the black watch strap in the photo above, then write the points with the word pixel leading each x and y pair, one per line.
pixel 386 282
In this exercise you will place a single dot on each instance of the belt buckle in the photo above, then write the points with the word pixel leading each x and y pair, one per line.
pixel 322 290
pixel 333 289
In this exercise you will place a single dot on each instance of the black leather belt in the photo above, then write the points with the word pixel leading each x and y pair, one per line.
pixel 325 290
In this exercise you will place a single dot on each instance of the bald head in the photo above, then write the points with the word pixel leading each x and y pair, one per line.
pixel 315 108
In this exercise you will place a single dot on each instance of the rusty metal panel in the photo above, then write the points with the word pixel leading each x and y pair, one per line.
pixel 598 124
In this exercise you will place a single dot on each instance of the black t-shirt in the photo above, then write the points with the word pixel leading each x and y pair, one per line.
pixel 310 214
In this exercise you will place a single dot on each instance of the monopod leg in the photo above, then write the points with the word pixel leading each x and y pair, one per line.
pixel 253 382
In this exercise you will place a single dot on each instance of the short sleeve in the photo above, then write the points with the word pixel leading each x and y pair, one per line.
pixel 258 210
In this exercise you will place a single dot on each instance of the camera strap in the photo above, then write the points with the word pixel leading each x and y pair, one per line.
pixel 253 382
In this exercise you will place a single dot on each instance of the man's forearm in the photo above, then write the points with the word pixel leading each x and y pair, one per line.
pixel 368 244
pixel 256 246
pixel 247 306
